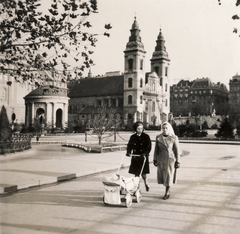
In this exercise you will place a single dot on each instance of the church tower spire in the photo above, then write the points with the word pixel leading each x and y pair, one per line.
pixel 160 60
pixel 134 75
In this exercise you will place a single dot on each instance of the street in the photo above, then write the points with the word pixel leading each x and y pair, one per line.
pixel 205 200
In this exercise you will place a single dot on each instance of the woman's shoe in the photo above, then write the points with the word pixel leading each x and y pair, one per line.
pixel 147 187
pixel 166 196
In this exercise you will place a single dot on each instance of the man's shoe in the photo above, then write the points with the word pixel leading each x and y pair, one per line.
pixel 147 187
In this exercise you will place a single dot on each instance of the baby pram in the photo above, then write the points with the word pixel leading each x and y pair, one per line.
pixel 116 185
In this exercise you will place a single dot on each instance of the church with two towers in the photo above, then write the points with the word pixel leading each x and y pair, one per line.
pixel 136 94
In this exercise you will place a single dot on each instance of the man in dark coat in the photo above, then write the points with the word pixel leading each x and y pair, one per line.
pixel 139 144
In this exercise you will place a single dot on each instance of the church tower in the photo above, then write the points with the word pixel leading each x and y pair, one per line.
pixel 160 63
pixel 134 76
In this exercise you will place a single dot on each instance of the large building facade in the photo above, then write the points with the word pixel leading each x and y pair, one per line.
pixel 199 97
pixel 137 94
pixel 234 96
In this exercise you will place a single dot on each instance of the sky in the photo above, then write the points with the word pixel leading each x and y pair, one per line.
pixel 198 36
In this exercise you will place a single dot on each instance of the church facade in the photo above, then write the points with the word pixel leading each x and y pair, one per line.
pixel 136 94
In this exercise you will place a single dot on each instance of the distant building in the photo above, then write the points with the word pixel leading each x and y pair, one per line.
pixel 137 94
pixel 11 96
pixel 199 97
pixel 48 104
pixel 234 96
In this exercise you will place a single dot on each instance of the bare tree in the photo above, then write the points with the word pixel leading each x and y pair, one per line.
pixel 105 119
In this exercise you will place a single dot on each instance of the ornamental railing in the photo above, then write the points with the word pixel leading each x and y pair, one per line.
pixel 20 142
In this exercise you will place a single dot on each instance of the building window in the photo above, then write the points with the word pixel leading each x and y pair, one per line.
pixel 141 99
pixel 156 69
pixel 166 87
pixel 129 82
pixel 166 102
pixel 146 106
pixel 99 102
pixel 130 99
pixel 130 64
pixel 141 83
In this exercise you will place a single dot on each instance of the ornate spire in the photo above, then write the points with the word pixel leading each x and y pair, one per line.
pixel 160 49
pixel 135 41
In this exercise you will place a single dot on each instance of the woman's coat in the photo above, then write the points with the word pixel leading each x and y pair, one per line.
pixel 139 145
pixel 166 153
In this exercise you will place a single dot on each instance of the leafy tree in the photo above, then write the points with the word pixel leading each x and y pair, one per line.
pixel 53 36
pixel 5 128
pixel 234 17
pixel 225 130
pixel 104 120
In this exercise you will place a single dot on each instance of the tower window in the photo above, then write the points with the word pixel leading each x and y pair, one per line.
pixel 161 81
pixel 166 71
pixel 141 83
pixel 141 64
pixel 153 107
pixel 156 69
pixel 130 99
pixel 130 64
pixel 129 82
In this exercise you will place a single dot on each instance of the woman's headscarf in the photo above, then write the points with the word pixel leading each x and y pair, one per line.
pixel 170 128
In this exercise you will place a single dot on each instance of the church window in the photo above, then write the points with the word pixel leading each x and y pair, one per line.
pixel 166 71
pixel 153 86
pixel 129 82
pixel 141 99
pixel 141 64
pixel 141 83
pixel 130 64
pixel 166 87
pixel 161 81
pixel 153 107
pixel 130 99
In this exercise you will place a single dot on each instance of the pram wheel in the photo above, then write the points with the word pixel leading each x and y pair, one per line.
pixel 138 196
pixel 104 200
pixel 128 200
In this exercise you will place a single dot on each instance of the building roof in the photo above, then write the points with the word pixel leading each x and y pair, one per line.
pixel 185 83
pixel 202 83
pixel 100 86
pixel 46 91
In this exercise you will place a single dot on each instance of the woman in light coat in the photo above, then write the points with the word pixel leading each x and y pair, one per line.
pixel 166 157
